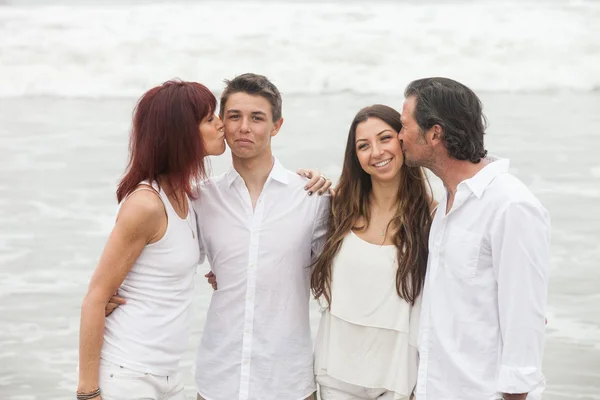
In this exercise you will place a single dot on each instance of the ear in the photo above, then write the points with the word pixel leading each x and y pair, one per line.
pixel 276 127
pixel 436 136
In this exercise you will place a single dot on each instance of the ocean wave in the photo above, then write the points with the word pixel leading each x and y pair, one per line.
pixel 305 48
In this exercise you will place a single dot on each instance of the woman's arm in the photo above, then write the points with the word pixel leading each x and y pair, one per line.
pixel 140 221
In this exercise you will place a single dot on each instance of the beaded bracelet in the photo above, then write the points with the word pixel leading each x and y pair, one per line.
pixel 88 395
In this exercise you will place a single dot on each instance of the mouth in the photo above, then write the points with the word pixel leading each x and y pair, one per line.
pixel 382 163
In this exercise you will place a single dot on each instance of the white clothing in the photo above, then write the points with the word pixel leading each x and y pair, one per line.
pixel 333 389
pixel 257 342
pixel 121 383
pixel 150 333
pixel 484 301
pixel 369 336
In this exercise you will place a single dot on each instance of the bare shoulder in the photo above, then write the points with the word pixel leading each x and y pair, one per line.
pixel 143 211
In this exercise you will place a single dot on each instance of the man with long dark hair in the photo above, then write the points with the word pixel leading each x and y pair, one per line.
pixel 484 300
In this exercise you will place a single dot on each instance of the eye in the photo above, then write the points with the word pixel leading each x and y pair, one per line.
pixel 385 138
pixel 210 119
pixel 233 117
pixel 363 146
pixel 257 118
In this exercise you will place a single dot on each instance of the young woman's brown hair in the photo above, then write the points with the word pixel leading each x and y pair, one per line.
pixel 410 225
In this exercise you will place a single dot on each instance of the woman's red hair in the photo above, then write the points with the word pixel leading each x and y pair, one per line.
pixel 165 138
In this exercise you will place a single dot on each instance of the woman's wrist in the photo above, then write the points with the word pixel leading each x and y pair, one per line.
pixel 88 394
pixel 87 387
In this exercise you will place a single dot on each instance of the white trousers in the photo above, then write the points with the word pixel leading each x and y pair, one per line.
pixel 333 389
pixel 120 383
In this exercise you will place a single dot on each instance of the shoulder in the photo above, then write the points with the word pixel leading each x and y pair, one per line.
pixel 511 196
pixel 210 186
pixel 294 179
pixel 142 209
pixel 511 190
pixel 296 184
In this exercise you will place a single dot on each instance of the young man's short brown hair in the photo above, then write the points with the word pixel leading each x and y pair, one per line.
pixel 253 84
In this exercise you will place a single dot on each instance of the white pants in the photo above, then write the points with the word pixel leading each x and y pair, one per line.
pixel 120 383
pixel 333 389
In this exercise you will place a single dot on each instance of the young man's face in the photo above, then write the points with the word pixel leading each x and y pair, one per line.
pixel 417 149
pixel 249 125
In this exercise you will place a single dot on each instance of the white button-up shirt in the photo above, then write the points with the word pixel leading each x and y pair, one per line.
pixel 256 343
pixel 482 318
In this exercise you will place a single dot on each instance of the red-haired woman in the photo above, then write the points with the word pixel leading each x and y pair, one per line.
pixel 152 252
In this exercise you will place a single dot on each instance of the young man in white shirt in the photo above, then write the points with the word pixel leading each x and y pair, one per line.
pixel 260 231
pixel 482 317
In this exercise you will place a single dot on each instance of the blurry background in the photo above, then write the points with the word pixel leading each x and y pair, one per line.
pixel 70 73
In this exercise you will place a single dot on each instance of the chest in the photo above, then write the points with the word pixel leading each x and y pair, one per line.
pixel 278 225
pixel 378 231
pixel 459 243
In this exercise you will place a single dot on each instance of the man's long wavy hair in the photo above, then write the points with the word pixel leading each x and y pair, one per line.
pixel 410 225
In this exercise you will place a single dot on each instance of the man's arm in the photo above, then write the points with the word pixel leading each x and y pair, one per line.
pixel 520 241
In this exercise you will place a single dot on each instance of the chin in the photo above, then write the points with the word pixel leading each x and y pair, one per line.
pixel 243 152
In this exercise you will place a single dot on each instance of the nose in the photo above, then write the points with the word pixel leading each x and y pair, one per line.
pixel 245 127
pixel 219 123
pixel 377 150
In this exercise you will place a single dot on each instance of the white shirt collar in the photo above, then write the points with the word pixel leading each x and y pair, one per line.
pixel 478 183
pixel 278 173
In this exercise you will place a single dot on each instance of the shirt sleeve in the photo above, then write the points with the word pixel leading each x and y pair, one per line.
pixel 196 207
pixel 520 242
pixel 321 225
pixel 201 244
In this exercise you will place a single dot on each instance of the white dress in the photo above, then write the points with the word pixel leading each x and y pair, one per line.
pixel 369 337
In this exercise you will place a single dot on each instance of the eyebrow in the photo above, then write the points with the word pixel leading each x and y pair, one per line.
pixel 239 112
pixel 385 130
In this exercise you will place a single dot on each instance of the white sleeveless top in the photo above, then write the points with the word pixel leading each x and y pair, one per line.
pixel 369 337
pixel 149 333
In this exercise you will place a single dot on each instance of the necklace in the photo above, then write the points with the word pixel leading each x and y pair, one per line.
pixel 188 217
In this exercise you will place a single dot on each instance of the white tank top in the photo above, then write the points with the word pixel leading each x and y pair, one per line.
pixel 369 337
pixel 149 333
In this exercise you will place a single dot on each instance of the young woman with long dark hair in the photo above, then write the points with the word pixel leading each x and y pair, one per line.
pixel 370 273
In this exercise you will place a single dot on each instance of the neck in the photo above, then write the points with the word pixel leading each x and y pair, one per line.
pixel 167 187
pixel 452 171
pixel 384 195
pixel 254 171
pixel 176 196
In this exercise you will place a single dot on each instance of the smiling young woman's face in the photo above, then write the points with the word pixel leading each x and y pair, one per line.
pixel 378 149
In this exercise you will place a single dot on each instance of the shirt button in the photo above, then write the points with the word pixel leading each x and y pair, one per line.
pixel 245 362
